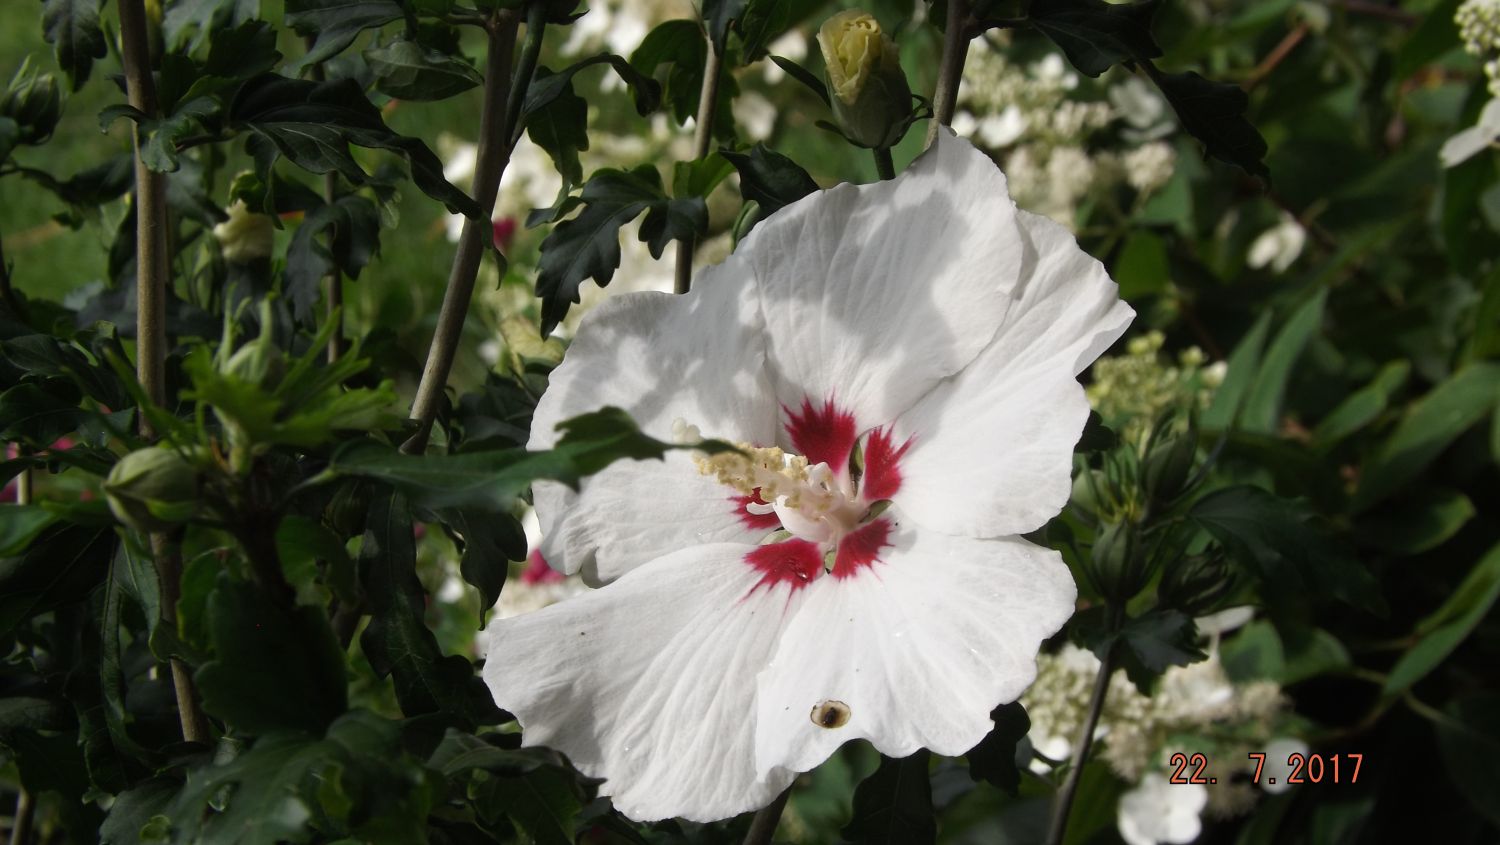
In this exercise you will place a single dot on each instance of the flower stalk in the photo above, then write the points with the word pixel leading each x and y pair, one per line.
pixel 951 70
pixel 763 826
pixel 153 266
pixel 1062 804
pixel 333 284
pixel 883 163
pixel 478 234
pixel 708 97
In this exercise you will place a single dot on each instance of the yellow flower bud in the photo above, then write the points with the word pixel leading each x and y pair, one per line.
pixel 871 97
pixel 245 236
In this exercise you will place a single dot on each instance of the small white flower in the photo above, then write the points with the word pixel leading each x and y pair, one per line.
pixel 246 235
pixel 1471 142
pixel 758 614
pixel 1278 246
pixel 1003 129
pixel 1157 811
pixel 1149 166
pixel 756 114
pixel 791 45
pixel 1274 774
pixel 1229 618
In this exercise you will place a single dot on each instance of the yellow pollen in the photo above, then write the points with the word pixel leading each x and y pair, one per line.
pixel 767 468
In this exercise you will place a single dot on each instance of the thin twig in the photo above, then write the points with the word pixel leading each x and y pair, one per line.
pixel 478 234
pixel 1277 55
pixel 951 70
pixel 153 268
pixel 708 98
pixel 1062 804
pixel 20 827
pixel 763 826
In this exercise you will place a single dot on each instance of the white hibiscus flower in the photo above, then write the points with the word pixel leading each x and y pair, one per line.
pixel 901 360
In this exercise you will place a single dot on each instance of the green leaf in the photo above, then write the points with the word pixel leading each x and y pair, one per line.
pixel 487 541
pixel 770 178
pixel 1262 410
pixel 407 70
pixel 1420 524
pixel 134 808
pixel 681 45
pixel 352 226
pixel 204 19
pixel 20 524
pixel 699 178
pixel 543 802
pixel 547 86
pixel 806 77
pixel 764 21
pixel 1361 407
pixel 38 413
pixel 1152 642
pixel 1293 558
pixel 313 124
pixel 893 806
pixel 397 640
pixel 1214 113
pixel 1443 631
pixel 1432 37
pixel 1141 268
pixel 159 137
pixel 490 481
pixel 460 753
pixel 560 126
pixel 719 16
pixel 588 245
pixel 72 28
pixel 255 637
pixel 994 759
pixel 1096 35
pixel 1470 743
pixel 60 567
pixel 1428 427
pixel 1244 363
pixel 336 23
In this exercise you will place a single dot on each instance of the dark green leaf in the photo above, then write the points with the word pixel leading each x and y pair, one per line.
pixel 699 178
pixel 770 178
pixel 1244 363
pixel 547 86
pixel 397 640
pixel 255 637
pixel 72 28
pixel 460 753
pixel 335 23
pixel 1150 643
pixel 542 802
pixel 588 245
pixel 487 541
pixel 1262 410
pixel 1096 35
pixel 1431 38
pixel 719 16
pixel 804 76
pixel 681 45
pixel 560 126
pixel 38 413
pixel 1142 268
pixel 1362 406
pixel 1442 632
pixel 893 806
pixel 159 137
pixel 1214 113
pixel 133 809
pixel 1430 424
pixel 204 19
pixel 313 124
pixel 994 759
pixel 407 70
pixel 352 228
pixel 1291 555
pixel 20 524
pixel 1469 741
pixel 61 567
pixel 764 21
pixel 1419 524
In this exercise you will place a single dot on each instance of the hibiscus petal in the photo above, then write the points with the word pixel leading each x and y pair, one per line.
pixel 992 448
pixel 873 293
pixel 912 651
pixel 636 511
pixel 638 352
pixel 649 683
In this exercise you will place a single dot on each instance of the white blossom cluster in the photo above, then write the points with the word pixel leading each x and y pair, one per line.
pixel 1034 118
pixel 1479 27
pixel 1129 391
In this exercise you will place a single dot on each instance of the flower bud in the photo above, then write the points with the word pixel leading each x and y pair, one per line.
pixel 152 489
pixel 1115 561
pixel 259 362
pixel 245 236
pixel 34 102
pixel 871 97
pixel 1195 584
pixel 1168 464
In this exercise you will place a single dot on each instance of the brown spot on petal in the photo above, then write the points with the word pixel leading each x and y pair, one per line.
pixel 830 714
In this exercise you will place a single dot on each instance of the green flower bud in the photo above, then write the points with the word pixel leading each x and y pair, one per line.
pixel 1115 562
pixel 34 102
pixel 1196 584
pixel 152 489
pixel 1168 464
pixel 871 97
pixel 258 362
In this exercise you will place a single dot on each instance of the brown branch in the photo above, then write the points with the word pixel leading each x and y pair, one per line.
pixel 956 34
pixel 1277 55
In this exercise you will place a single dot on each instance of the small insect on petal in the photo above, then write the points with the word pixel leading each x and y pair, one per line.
pixel 830 714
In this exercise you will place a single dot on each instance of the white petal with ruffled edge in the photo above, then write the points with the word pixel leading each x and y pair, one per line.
pixel 637 352
pixel 873 293
pixel 992 448
pixel 649 683
pixel 919 646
